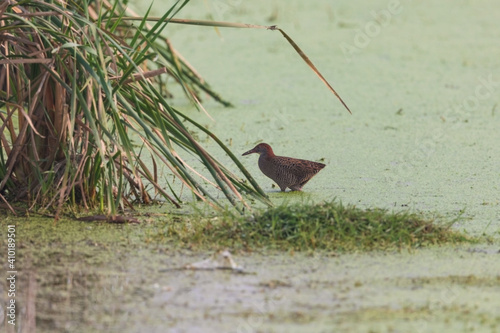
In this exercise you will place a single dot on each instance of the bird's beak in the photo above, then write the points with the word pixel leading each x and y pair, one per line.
pixel 251 151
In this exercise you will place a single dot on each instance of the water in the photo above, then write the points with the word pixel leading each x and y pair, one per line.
pixel 423 88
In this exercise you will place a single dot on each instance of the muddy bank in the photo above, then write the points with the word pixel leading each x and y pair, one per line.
pixel 81 277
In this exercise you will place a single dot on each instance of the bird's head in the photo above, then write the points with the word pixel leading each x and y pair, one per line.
pixel 261 148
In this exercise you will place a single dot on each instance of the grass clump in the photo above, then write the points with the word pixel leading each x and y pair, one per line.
pixel 328 226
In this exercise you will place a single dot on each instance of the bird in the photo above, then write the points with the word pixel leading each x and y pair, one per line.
pixel 287 172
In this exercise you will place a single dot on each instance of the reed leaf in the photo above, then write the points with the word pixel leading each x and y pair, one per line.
pixel 249 26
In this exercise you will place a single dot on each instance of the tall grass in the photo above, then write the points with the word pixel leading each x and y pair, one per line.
pixel 76 83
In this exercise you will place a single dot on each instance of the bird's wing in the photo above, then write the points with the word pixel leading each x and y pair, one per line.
pixel 302 170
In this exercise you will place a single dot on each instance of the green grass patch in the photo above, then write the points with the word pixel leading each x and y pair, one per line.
pixel 328 226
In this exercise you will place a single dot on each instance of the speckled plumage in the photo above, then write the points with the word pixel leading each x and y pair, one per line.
pixel 288 172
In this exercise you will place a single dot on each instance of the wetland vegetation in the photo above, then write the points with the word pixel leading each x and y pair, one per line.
pixel 329 226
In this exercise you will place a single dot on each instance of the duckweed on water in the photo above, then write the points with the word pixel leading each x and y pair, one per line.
pixel 328 226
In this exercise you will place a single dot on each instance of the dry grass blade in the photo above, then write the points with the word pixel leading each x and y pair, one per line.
pixel 253 26
pixel 310 64
pixel 25 61
pixel 205 23
pixel 218 24
pixel 26 15
pixel 141 76
pixel 8 205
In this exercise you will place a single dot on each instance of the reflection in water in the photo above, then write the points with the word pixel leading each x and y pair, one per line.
pixel 25 301
pixel 65 297
pixel 30 319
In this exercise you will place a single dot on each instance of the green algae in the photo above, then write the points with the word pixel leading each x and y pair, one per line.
pixel 89 277
pixel 67 267
pixel 410 142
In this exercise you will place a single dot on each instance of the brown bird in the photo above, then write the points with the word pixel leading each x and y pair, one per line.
pixel 285 171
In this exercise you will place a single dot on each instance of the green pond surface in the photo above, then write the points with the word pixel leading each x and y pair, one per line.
pixel 424 91
pixel 423 83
